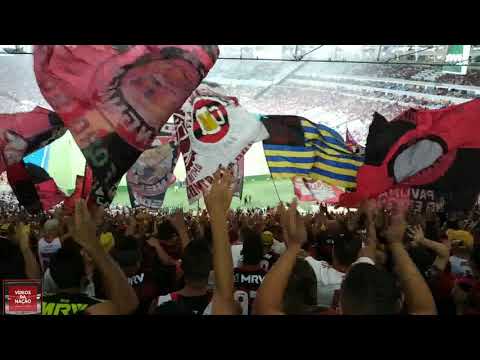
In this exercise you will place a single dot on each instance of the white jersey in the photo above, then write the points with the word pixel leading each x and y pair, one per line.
pixel 46 250
pixel 329 280
pixel 236 255
pixel 278 247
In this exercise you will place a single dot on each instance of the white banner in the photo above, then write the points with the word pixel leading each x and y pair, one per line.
pixel 213 130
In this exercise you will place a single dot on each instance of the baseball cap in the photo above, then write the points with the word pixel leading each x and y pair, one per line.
pixel 461 235
pixel 107 241
pixel 267 238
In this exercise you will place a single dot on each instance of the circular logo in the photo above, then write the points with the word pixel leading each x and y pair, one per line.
pixel 210 120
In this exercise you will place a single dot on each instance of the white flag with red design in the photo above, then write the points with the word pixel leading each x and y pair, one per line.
pixel 213 130
pixel 315 191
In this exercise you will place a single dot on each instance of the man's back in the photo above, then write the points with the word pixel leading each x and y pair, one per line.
pixel 247 280
pixel 328 281
pixel 67 304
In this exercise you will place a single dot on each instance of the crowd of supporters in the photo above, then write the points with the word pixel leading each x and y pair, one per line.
pixel 399 86
pixel 375 260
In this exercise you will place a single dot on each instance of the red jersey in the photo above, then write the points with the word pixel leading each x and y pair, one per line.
pixel 246 284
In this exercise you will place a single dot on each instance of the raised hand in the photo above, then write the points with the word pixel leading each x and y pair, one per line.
pixel 219 198
pixel 295 226
pixel 416 233
pixel 22 233
pixel 396 230
pixel 84 229
pixel 178 220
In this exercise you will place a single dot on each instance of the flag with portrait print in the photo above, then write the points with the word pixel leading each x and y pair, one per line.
pixel 114 99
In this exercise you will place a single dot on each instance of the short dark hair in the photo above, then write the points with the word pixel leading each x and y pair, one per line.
pixel 67 267
pixel 367 290
pixel 127 258
pixel 197 261
pixel 422 257
pixel 475 256
pixel 346 248
pixel 252 250
pixel 166 231
pixel 301 292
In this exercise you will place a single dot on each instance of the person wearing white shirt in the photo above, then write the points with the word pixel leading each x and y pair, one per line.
pixel 49 244
pixel 346 250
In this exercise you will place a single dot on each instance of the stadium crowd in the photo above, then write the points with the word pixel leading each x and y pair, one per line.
pixel 377 260
pixel 388 85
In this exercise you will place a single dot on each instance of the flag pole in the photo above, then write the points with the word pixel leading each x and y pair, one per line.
pixel 273 181
pixel 275 187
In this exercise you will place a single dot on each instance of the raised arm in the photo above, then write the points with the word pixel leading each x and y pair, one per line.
pixel 178 221
pixel 32 268
pixel 369 250
pixel 441 250
pixel 269 299
pixel 418 296
pixel 123 298
pixel 218 202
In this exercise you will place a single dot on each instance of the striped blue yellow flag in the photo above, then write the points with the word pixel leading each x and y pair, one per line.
pixel 299 147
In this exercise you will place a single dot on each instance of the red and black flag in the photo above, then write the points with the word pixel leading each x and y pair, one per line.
pixel 115 99
pixel 83 186
pixel 35 190
pixel 438 149
pixel 23 133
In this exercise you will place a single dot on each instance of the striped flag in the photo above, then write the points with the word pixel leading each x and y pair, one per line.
pixel 299 147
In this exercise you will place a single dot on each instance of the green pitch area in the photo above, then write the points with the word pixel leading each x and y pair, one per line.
pixel 70 162
pixel 259 187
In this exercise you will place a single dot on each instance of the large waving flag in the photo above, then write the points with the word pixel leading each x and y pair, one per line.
pixel 33 187
pixel 299 147
pixel 435 148
pixel 24 133
pixel 212 130
pixel 83 186
pixel 152 174
pixel 115 99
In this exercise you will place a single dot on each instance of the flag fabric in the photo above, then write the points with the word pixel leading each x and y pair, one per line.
pixel 33 187
pixel 83 185
pixel 352 145
pixel 299 147
pixel 213 130
pixel 152 174
pixel 435 148
pixel 115 99
pixel 315 191
pixel 24 133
